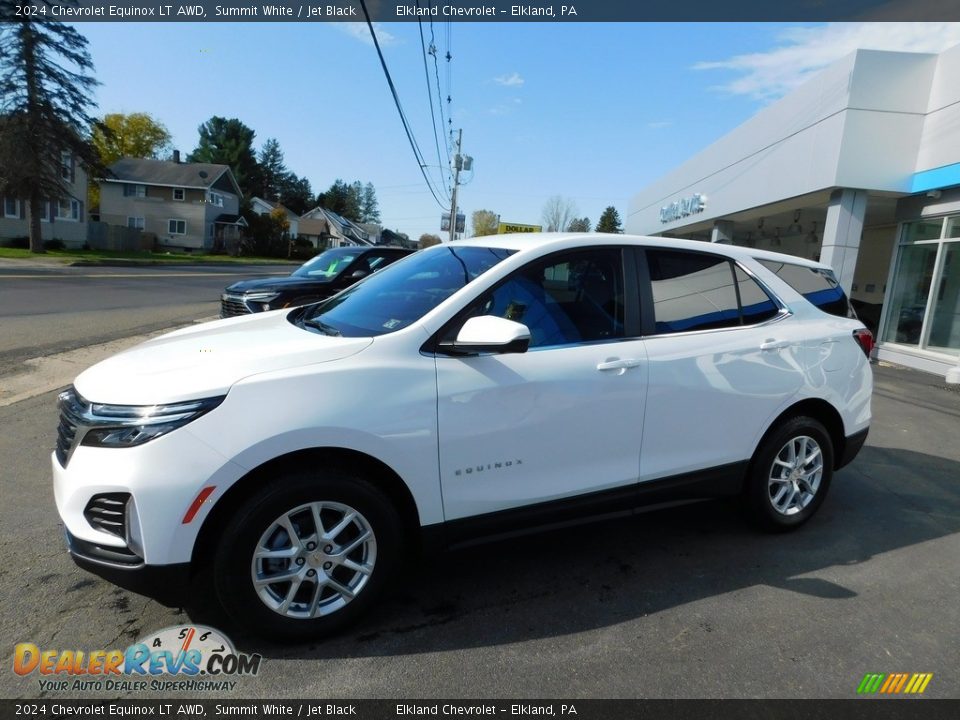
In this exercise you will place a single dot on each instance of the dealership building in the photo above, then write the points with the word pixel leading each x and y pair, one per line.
pixel 859 168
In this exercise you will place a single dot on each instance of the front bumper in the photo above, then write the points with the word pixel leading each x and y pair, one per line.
pixel 161 479
pixel 167 584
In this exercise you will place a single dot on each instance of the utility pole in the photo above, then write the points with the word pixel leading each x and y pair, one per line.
pixel 457 166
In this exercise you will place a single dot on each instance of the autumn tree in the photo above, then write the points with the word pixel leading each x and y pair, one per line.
pixel 428 240
pixel 609 221
pixel 134 135
pixel 46 99
pixel 118 135
pixel 484 222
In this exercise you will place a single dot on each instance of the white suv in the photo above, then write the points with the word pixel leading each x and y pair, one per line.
pixel 292 458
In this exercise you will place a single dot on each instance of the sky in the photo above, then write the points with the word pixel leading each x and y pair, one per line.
pixel 592 112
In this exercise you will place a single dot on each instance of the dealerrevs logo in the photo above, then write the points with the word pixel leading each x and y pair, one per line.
pixel 182 657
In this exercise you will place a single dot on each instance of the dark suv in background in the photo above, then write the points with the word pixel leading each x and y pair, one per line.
pixel 320 277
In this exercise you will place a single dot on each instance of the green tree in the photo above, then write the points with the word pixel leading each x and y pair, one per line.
pixel 46 89
pixel 297 195
pixel 268 235
pixel 273 175
pixel 342 199
pixel 369 207
pixel 484 222
pixel 579 225
pixel 609 221
pixel 229 142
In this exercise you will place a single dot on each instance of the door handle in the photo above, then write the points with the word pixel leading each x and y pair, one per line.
pixel 618 364
pixel 774 344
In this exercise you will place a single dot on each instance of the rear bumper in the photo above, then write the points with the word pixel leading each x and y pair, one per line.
pixel 851 447
pixel 167 584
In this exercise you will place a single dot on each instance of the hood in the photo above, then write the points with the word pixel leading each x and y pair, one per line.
pixel 206 360
pixel 281 284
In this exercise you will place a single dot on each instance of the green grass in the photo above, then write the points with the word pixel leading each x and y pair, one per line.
pixel 69 256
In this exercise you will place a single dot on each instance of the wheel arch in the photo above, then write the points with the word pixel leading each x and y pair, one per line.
pixel 380 475
pixel 820 410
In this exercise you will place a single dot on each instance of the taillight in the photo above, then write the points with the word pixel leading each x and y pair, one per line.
pixel 864 339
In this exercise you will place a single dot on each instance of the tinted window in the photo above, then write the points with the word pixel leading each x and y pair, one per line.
pixel 402 292
pixel 818 286
pixel 327 264
pixel 572 298
pixel 692 291
pixel 755 305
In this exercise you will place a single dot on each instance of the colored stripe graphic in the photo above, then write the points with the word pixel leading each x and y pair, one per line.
pixel 894 683
pixel 870 683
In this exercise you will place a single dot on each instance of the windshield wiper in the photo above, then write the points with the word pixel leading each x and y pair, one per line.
pixel 321 326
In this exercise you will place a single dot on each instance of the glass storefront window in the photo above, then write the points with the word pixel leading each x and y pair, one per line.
pixel 953 227
pixel 908 301
pixel 945 316
pixel 921 230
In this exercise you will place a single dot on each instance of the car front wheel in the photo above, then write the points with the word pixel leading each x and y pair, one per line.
pixel 790 474
pixel 307 556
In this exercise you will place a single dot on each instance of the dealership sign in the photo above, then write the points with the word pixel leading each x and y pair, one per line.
pixel 683 208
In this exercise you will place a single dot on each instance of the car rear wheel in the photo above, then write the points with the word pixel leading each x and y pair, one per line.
pixel 308 555
pixel 790 474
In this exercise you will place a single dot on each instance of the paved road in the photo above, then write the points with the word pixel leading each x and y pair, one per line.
pixel 50 310
pixel 682 603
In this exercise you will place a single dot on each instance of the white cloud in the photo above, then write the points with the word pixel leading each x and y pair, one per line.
pixel 511 80
pixel 802 51
pixel 361 32
pixel 658 124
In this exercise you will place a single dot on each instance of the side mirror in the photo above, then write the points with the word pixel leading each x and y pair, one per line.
pixel 489 334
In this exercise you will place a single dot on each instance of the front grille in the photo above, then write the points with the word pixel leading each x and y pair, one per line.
pixel 232 306
pixel 107 512
pixel 71 408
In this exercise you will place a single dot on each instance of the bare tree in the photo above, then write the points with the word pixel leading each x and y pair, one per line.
pixel 558 211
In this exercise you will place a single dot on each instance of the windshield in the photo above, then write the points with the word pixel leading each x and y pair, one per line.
pixel 402 293
pixel 327 264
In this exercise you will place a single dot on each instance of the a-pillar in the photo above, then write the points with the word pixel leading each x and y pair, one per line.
pixel 722 232
pixel 842 232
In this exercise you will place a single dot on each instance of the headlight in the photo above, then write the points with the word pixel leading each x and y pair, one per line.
pixel 102 425
pixel 262 299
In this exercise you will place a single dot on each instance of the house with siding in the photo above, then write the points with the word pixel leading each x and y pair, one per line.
pixel 325 228
pixel 62 219
pixel 186 206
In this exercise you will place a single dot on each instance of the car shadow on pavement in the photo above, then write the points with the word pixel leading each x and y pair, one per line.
pixel 601 574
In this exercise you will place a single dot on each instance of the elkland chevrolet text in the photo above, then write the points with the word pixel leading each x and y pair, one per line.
pixel 291 458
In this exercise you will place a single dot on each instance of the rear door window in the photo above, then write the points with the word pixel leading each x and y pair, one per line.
pixel 692 291
pixel 817 285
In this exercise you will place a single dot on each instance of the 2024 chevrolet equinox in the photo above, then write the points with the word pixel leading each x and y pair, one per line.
pixel 291 458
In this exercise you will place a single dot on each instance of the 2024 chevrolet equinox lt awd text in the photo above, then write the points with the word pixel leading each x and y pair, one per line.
pixel 290 459
pixel 320 277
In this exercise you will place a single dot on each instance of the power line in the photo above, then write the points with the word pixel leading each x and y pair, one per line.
pixel 436 73
pixel 396 100
pixel 433 114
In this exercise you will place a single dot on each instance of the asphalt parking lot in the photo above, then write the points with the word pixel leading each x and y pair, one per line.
pixel 688 602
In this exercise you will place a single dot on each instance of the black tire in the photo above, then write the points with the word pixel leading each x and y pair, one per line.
pixel 234 563
pixel 761 492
